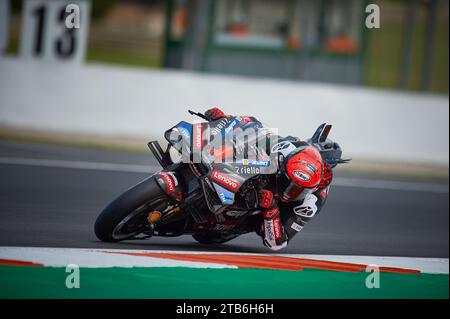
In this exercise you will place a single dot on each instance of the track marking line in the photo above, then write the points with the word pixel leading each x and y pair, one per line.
pixel 269 262
pixel 13 262
pixel 90 258
pixel 391 185
pixel 130 168
pixel 106 258
pixel 98 166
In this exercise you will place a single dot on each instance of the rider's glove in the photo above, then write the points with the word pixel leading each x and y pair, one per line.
pixel 327 177
pixel 214 114
pixel 266 199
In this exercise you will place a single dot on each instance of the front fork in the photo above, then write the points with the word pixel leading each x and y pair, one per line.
pixel 170 184
pixel 172 187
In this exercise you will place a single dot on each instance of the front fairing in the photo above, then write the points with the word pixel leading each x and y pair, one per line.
pixel 232 150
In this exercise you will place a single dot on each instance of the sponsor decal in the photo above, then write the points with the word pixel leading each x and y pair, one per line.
pixel 198 136
pixel 296 227
pixel 169 181
pixel 248 162
pixel 225 180
pixel 248 170
pixel 175 180
pixel 185 130
pixel 185 133
pixel 225 196
pixel 153 217
pixel 308 208
pixel 277 228
pixel 231 126
pixel 283 147
pixel 220 126
pixel 269 234
pixel 312 168
pixel 302 176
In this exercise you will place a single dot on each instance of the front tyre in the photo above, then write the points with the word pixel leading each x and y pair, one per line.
pixel 126 216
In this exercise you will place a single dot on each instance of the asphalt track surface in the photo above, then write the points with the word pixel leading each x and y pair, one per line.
pixel 45 204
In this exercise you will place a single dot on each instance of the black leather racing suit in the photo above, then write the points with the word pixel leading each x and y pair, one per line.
pixel 294 210
pixel 284 213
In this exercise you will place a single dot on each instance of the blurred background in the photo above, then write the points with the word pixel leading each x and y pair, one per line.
pixel 291 39
pixel 293 63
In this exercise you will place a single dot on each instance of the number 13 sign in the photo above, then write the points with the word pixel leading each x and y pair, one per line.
pixel 55 30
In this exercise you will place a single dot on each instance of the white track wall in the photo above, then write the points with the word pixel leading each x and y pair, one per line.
pixel 104 100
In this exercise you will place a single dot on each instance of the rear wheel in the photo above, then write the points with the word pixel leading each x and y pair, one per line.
pixel 126 216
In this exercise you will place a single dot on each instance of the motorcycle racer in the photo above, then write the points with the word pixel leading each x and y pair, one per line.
pixel 299 190
pixel 230 176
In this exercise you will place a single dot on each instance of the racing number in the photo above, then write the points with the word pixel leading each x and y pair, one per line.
pixel 55 31
pixel 39 13
pixel 64 44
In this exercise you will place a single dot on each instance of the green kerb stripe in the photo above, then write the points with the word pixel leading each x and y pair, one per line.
pixel 179 282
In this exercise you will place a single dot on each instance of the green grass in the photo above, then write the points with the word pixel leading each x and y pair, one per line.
pixel 123 57
pixel 385 53
pixel 384 56
pixel 440 69
pixel 178 282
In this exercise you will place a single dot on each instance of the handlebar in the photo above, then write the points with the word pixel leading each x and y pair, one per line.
pixel 198 114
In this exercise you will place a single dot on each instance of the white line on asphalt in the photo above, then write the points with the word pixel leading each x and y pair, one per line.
pixel 391 185
pixel 98 166
pixel 115 167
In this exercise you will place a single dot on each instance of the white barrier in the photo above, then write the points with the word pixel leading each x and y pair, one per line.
pixel 104 100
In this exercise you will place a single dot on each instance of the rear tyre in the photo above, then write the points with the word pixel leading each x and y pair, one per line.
pixel 125 217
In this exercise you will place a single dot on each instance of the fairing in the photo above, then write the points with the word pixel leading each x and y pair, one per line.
pixel 225 148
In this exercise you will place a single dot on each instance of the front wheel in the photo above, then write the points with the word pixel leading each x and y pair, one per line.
pixel 126 216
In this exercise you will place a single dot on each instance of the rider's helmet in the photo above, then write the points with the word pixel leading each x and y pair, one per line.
pixel 301 172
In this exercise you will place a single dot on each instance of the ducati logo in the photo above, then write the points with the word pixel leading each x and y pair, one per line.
pixel 302 176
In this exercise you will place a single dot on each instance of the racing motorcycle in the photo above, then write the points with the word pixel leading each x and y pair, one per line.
pixel 212 197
